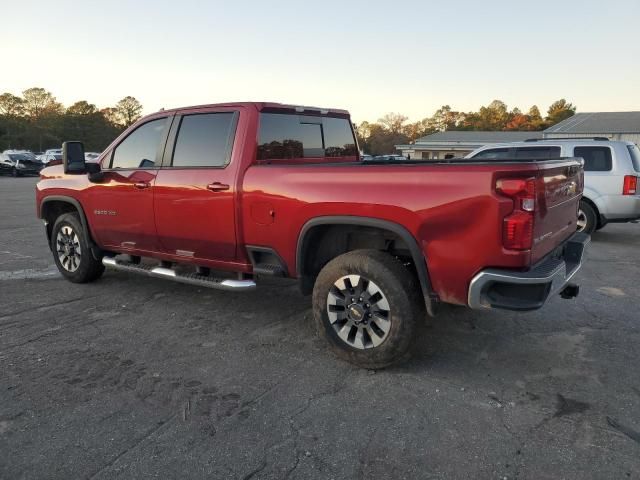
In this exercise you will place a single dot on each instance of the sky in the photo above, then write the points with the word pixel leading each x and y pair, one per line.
pixel 369 57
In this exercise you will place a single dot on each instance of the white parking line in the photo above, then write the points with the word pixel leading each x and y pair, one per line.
pixel 30 273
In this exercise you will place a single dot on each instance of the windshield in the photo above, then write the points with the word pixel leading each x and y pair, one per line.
pixel 634 151
pixel 18 156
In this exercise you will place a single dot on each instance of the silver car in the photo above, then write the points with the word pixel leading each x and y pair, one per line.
pixel 611 171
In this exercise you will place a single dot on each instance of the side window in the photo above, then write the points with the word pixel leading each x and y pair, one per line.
pixel 139 149
pixel 635 156
pixel 205 140
pixel 493 154
pixel 537 153
pixel 596 159
pixel 288 136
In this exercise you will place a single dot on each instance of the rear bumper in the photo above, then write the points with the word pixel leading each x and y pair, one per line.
pixel 506 289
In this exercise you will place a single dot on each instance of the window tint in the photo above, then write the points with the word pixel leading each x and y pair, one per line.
pixel 494 153
pixel 635 156
pixel 338 138
pixel 285 136
pixel 596 159
pixel 537 153
pixel 204 140
pixel 139 149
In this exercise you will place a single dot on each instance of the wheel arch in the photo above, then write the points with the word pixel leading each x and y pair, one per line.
pixel 313 231
pixel 599 216
pixel 53 206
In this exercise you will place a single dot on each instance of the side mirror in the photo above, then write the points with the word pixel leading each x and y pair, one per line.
pixel 73 157
pixel 94 172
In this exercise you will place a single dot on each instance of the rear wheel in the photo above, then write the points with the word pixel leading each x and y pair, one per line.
pixel 587 218
pixel 365 306
pixel 72 252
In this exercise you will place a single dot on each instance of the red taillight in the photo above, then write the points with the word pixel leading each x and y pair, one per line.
pixel 630 186
pixel 518 225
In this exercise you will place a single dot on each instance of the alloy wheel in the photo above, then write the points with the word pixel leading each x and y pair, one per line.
pixel 582 220
pixel 68 249
pixel 359 312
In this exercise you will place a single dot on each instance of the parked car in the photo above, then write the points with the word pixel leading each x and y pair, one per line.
pixel 612 168
pixel 52 158
pixel 264 189
pixel 18 164
pixel 91 156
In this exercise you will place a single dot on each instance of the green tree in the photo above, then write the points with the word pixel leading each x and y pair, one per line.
pixel 11 105
pixel 82 108
pixel 446 119
pixel 559 110
pixel 128 111
pixel 39 103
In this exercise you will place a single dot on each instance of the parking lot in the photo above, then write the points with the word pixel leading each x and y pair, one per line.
pixel 132 377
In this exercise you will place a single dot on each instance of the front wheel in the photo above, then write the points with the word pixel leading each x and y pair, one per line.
pixel 365 305
pixel 72 252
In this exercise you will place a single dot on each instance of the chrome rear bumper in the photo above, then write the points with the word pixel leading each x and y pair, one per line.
pixel 506 289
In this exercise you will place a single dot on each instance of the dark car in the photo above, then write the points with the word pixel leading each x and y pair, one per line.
pixel 18 164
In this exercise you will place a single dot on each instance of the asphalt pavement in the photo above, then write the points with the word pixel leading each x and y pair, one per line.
pixel 135 377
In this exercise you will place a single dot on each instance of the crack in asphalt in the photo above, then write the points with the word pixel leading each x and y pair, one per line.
pixel 135 445
pixel 47 306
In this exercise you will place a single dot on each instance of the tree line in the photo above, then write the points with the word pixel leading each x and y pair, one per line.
pixel 36 121
pixel 380 137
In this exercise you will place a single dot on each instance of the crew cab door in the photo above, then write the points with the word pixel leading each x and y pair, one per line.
pixel 195 189
pixel 121 205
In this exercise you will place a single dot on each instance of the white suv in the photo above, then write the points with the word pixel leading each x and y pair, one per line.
pixel 611 171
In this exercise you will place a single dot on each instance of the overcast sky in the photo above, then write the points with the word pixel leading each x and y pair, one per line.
pixel 366 56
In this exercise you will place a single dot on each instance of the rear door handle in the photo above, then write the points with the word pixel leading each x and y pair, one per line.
pixel 142 185
pixel 217 187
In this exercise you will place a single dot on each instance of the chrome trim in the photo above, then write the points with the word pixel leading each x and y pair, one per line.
pixel 167 273
pixel 558 278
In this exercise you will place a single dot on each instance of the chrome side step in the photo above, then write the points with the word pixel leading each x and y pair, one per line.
pixel 191 279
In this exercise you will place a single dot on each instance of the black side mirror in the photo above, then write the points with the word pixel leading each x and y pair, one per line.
pixel 94 172
pixel 73 157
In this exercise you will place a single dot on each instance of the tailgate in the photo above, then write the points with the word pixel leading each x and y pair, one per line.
pixel 558 193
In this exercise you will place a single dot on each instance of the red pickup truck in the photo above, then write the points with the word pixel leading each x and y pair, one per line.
pixel 219 195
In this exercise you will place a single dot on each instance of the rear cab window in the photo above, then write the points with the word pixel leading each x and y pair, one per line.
pixel 305 138
pixel 596 158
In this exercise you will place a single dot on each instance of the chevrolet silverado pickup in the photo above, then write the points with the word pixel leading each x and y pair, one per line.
pixel 221 195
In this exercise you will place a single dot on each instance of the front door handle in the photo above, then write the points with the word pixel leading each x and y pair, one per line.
pixel 217 187
pixel 142 185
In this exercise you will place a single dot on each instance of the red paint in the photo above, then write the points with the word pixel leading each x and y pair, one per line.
pixel 453 210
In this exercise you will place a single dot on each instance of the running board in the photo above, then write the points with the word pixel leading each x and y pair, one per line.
pixel 191 279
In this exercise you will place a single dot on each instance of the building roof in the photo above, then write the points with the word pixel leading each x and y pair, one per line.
pixel 475 137
pixel 598 122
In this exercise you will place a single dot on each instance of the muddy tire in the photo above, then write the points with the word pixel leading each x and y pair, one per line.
pixel 72 252
pixel 366 306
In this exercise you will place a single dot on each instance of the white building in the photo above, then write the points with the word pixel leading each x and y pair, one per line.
pixel 452 144
pixel 612 125
pixel 442 145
